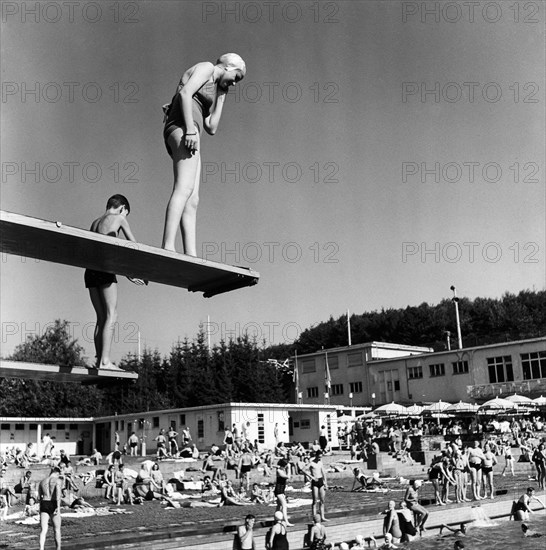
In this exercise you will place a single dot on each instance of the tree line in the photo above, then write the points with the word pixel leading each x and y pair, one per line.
pixel 244 370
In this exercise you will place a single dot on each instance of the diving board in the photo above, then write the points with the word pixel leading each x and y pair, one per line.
pixel 59 373
pixel 55 242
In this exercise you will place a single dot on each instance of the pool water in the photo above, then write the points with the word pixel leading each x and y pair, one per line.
pixel 485 534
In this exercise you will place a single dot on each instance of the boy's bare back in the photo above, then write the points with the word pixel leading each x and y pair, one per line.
pixel 109 224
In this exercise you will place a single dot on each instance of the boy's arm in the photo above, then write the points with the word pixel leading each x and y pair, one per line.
pixel 124 226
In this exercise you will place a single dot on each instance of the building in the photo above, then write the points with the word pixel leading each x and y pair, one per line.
pixel 261 421
pixel 348 367
pixel 420 375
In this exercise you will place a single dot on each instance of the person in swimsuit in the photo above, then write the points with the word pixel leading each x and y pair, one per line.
pixel 411 498
pixel 197 104
pixel 245 534
pixel 317 536
pixel 317 474
pixel 522 508
pixel 244 468
pixel 406 521
pixel 283 475
pixel 475 462
pixel 228 441
pixel 508 459
pixel 489 462
pixel 49 495
pixel 277 539
pixel 391 523
pixel 103 288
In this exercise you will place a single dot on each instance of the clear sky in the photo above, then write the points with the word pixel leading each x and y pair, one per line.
pixel 376 153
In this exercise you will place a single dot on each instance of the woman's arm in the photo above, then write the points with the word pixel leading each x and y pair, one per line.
pixel 212 121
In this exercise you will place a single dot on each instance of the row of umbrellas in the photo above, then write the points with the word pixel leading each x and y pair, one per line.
pixel 496 405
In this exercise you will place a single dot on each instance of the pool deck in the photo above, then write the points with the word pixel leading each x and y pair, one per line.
pixel 343 526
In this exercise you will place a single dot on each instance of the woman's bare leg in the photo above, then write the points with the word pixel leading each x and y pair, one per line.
pixel 185 167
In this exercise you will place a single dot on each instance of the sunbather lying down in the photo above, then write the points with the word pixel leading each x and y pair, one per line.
pixel 366 483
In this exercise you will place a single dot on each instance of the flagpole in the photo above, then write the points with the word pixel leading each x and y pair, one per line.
pixel 296 377
pixel 349 327
pixel 327 381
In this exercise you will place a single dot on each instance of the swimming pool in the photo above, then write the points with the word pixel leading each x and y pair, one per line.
pixel 499 534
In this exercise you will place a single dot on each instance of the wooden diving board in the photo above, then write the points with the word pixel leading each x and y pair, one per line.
pixel 55 242
pixel 59 373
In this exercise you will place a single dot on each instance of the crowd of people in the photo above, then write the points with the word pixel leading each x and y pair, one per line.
pixel 463 471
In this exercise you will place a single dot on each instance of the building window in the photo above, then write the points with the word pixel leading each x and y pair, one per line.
pixel 155 421
pixel 221 423
pixel 355 387
pixel 393 384
pixel 182 420
pixel 437 370
pixel 500 369
pixel 5 426
pixel 312 392
pixel 261 428
pixel 415 372
pixel 337 389
pixel 33 427
pixel 122 425
pixel 19 426
pixel 534 365
pixel 73 427
pixel 60 426
pixel 460 367
pixel 308 365
pixel 200 428
pixel 48 427
pixel 305 424
pixel 354 360
pixel 333 362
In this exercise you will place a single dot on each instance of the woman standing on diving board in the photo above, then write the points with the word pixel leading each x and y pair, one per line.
pixel 197 104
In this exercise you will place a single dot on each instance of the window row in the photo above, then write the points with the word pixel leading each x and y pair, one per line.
pixel 353 360
pixel 336 389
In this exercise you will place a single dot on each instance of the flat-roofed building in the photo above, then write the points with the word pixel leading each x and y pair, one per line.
pixel 348 367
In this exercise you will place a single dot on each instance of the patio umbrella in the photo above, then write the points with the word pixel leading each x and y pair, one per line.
pixel 436 408
pixel 497 405
pixel 346 418
pixel 540 401
pixel 519 399
pixel 414 410
pixel 391 409
pixel 462 408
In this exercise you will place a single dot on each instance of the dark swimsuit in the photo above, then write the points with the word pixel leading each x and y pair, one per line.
pixel 203 100
pixel 318 483
pixel 95 279
pixel 48 506
pixel 280 541
pixel 280 486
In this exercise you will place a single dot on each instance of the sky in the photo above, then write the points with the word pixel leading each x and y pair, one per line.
pixel 376 153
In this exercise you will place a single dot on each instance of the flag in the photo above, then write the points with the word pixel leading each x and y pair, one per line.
pixel 327 379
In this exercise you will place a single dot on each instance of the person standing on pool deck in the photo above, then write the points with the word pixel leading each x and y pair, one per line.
pixel 103 287
pixel 283 475
pixel 317 475
pixel 197 104
pixel 49 495
pixel 475 463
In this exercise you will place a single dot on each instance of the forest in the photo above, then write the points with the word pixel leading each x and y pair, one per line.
pixel 244 370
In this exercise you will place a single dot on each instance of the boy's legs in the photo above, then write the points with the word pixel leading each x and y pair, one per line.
pixel 104 300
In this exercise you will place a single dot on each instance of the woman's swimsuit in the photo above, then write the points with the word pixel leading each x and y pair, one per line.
pixel 202 102
pixel 280 486
pixel 280 541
